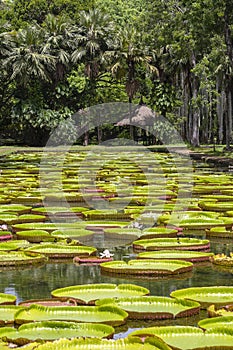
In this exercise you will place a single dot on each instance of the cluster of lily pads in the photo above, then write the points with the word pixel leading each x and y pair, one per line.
pixel 77 316
pixel 53 211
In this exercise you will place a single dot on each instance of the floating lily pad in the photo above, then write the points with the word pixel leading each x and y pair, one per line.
pixel 7 299
pixel 216 322
pixel 48 302
pixel 158 232
pixel 227 310
pixel 153 307
pixel 195 220
pixel 217 295
pixel 147 267
pixel 54 250
pixel 20 258
pixel 187 255
pixel 130 343
pixel 30 218
pixel 33 236
pixel 88 293
pixel 223 260
pixel 7 313
pixel 122 233
pixel 5 235
pixel 217 206
pixel 48 226
pixel 14 245
pixel 190 338
pixel 172 243
pixel 78 234
pixel 102 225
pixel 106 215
pixel 108 314
pixel 52 330
pixel 15 208
pixel 219 232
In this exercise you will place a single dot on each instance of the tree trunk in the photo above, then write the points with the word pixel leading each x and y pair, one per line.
pixel 220 107
pixel 195 113
pixel 228 76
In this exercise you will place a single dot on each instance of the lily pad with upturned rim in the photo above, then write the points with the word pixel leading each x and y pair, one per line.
pixel 17 258
pixel 33 236
pixel 73 233
pixel 7 299
pixel 187 255
pixel 154 307
pixel 158 232
pixel 88 293
pixel 7 313
pixel 190 338
pixel 54 250
pixel 13 245
pixel 129 343
pixel 108 314
pixel 147 267
pixel 172 243
pixel 213 311
pixel 222 232
pixel 53 330
pixel 206 296
pixel 216 322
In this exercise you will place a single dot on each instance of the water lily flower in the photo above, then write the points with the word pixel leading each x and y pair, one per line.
pixel 106 254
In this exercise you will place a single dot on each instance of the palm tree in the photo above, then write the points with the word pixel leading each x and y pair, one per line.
pixel 26 59
pixel 59 35
pixel 128 54
pixel 92 42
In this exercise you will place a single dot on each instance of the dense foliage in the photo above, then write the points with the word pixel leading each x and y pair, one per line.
pixel 58 57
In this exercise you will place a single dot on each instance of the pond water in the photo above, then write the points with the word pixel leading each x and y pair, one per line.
pixel 38 281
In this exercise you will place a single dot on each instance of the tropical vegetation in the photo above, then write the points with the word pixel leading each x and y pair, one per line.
pixel 60 57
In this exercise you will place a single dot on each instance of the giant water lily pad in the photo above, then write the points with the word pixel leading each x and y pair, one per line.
pixel 217 295
pixel 122 233
pixel 172 243
pixel 15 208
pixel 190 338
pixel 101 225
pixel 108 214
pixel 88 293
pixel 7 313
pixel 217 206
pixel 33 236
pixel 130 343
pixel 187 255
pixel 52 330
pixel 227 310
pixel 216 322
pixel 16 258
pixel 153 307
pixel 108 314
pixel 195 220
pixel 48 226
pixel 158 232
pixel 7 299
pixel 13 245
pixel 77 234
pixel 27 218
pixel 222 260
pixel 221 232
pixel 62 250
pixel 147 267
